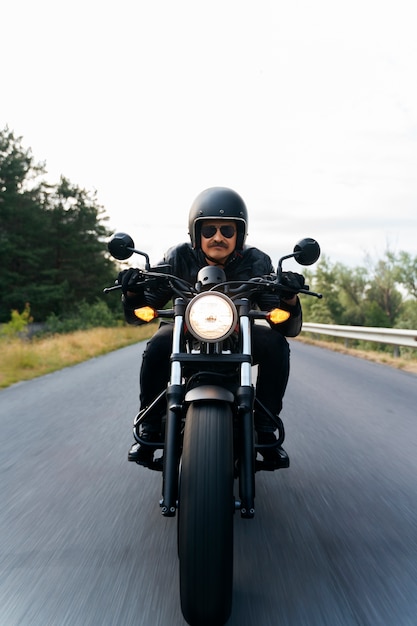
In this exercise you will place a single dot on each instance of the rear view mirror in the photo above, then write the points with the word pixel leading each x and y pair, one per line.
pixel 121 246
pixel 307 251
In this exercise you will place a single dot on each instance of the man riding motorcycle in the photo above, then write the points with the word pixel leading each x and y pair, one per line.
pixel 218 223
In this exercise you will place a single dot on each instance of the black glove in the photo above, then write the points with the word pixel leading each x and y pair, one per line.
pixel 293 281
pixel 129 280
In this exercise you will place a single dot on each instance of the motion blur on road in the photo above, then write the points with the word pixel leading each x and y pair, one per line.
pixel 333 542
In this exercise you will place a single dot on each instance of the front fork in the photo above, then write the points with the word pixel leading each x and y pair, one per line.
pixel 245 399
pixel 175 399
pixel 172 450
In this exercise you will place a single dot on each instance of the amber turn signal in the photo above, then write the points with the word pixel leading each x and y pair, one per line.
pixel 277 316
pixel 146 313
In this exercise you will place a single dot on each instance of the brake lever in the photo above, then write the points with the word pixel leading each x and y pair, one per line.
pixel 307 292
pixel 108 289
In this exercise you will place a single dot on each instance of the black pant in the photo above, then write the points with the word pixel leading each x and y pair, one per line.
pixel 270 351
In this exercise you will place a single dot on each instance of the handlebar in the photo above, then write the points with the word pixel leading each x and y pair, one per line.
pixel 261 283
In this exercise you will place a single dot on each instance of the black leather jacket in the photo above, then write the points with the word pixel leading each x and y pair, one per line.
pixel 186 262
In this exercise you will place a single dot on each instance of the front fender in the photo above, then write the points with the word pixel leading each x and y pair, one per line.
pixel 209 392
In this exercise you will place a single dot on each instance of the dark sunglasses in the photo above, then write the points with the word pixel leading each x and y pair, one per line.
pixel 227 230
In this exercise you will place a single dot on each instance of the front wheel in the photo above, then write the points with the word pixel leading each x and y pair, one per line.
pixel 205 521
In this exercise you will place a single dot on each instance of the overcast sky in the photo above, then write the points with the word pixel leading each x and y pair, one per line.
pixel 307 109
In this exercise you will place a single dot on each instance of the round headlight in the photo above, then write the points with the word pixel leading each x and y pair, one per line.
pixel 211 317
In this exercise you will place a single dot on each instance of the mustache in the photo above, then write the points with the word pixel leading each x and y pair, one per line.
pixel 218 244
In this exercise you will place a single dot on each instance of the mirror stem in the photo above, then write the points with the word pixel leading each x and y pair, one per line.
pixel 279 268
pixel 147 262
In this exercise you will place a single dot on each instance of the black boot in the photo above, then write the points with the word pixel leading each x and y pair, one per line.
pixel 274 456
pixel 142 453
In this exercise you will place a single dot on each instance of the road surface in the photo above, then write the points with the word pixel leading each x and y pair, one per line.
pixel 334 540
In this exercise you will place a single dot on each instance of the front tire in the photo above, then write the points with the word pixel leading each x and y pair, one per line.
pixel 205 521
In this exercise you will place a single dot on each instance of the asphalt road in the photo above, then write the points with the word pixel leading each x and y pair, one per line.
pixel 334 540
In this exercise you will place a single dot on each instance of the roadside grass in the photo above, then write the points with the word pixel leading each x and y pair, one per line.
pixel 23 359
pixel 406 362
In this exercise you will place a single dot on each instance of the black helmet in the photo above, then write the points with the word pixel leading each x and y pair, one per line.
pixel 218 203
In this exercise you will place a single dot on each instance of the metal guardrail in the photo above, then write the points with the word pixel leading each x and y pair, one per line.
pixel 394 336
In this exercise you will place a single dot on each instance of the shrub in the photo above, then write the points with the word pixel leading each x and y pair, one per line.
pixel 84 316
pixel 18 324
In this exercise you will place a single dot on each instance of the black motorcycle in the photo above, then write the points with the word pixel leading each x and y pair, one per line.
pixel 208 406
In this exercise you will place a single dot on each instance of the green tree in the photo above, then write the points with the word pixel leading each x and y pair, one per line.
pixel 327 310
pixel 79 265
pixel 22 195
pixel 384 300
pixel 352 286
pixel 361 296
pixel 408 316
pixel 52 238
pixel 406 271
